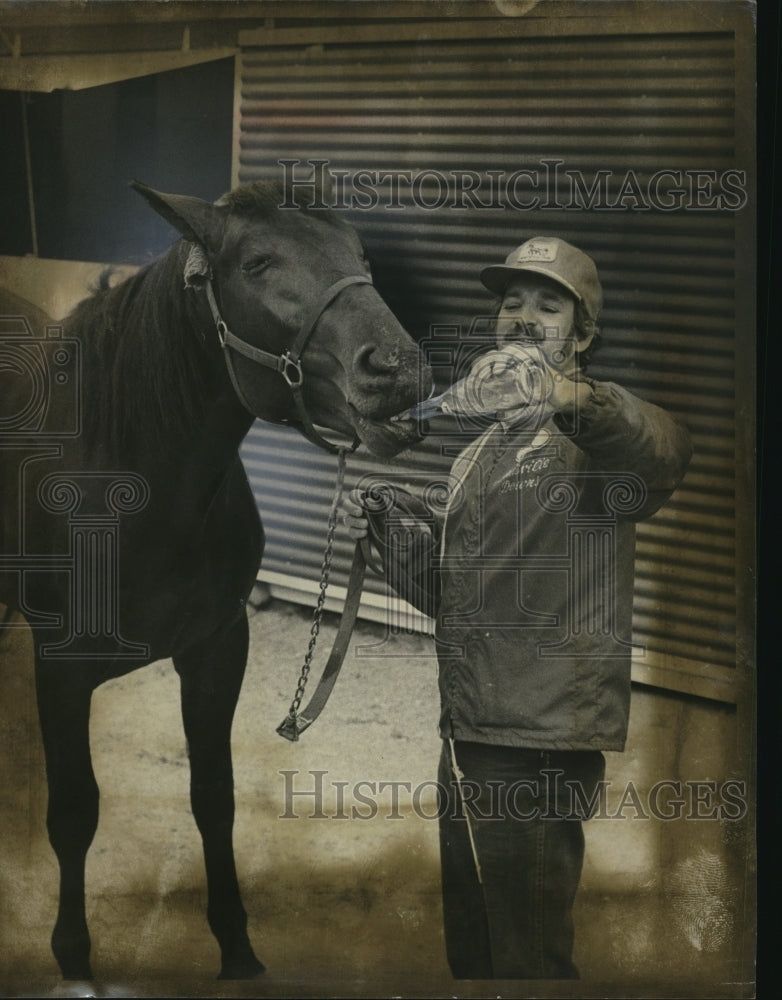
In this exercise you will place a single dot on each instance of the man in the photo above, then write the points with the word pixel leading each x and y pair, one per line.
pixel 532 599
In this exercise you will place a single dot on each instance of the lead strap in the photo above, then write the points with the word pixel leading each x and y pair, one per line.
pixel 459 775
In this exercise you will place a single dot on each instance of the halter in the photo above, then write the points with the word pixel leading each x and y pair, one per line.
pixel 288 364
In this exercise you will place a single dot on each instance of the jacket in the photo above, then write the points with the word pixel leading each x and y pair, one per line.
pixel 532 591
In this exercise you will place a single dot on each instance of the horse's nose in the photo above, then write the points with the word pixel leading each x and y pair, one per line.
pixel 389 378
pixel 371 360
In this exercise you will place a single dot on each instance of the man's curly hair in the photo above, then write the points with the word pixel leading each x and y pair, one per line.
pixel 583 326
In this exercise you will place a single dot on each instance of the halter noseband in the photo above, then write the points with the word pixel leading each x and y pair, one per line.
pixel 288 364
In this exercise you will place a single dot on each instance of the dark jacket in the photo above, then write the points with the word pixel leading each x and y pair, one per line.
pixel 532 593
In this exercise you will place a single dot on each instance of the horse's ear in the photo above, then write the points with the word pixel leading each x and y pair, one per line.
pixel 197 220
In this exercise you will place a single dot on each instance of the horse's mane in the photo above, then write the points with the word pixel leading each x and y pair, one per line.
pixel 264 198
pixel 141 369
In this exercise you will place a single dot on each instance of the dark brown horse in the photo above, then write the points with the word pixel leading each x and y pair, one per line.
pixel 128 529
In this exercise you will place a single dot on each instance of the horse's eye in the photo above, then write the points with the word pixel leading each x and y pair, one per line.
pixel 255 264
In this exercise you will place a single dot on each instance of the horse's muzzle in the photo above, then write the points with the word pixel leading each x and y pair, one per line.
pixel 385 438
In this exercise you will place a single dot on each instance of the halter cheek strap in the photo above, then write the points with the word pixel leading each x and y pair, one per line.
pixel 288 364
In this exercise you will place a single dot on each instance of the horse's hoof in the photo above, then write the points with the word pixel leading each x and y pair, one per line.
pixel 77 974
pixel 248 968
pixel 74 987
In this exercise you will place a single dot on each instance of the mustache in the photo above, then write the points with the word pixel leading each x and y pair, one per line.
pixel 523 330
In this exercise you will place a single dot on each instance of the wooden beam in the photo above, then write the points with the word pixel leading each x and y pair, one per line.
pixel 43 74
pixel 29 13
pixel 19 14
pixel 636 17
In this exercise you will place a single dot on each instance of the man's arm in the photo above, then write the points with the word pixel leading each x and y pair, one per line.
pixel 407 542
pixel 621 433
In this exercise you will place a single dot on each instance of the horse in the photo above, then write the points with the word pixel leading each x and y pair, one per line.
pixel 128 530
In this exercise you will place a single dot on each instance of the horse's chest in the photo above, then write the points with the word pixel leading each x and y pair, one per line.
pixel 199 580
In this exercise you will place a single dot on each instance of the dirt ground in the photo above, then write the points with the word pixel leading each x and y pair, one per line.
pixel 340 879
pixel 336 840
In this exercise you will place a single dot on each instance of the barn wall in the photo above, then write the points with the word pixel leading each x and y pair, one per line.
pixel 678 330
pixel 403 124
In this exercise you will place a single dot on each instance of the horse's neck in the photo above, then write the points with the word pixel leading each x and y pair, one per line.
pixel 205 446
pixel 164 399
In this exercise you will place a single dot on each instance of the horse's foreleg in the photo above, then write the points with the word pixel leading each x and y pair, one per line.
pixel 72 814
pixel 211 677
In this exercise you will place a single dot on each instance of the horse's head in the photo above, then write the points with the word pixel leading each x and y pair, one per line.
pixel 296 280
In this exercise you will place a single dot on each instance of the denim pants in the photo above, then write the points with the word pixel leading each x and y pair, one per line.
pixel 510 870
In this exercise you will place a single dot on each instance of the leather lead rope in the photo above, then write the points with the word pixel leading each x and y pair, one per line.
pixel 297 721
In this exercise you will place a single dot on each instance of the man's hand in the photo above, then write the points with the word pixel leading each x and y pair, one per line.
pixel 353 515
pixel 567 394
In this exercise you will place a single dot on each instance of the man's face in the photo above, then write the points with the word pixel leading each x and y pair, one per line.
pixel 536 310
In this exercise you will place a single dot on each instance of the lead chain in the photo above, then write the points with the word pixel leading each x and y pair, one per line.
pixel 324 582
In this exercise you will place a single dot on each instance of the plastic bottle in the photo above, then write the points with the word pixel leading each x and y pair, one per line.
pixel 502 381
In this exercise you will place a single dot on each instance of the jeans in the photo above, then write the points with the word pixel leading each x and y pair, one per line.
pixel 525 836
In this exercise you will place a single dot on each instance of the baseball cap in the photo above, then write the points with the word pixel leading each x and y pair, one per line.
pixel 556 259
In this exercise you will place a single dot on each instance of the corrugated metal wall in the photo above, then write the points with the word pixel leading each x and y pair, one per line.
pixel 608 100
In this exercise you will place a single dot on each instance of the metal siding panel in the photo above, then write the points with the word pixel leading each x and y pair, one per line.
pixel 669 324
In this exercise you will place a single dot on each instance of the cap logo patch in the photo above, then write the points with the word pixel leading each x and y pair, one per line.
pixel 541 250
